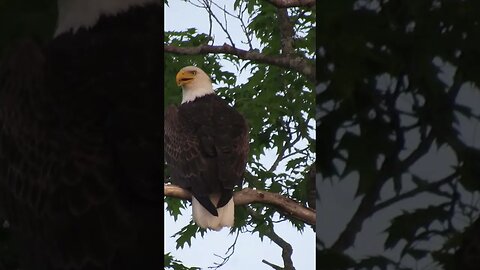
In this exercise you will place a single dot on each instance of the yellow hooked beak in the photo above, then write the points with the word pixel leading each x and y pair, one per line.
pixel 184 77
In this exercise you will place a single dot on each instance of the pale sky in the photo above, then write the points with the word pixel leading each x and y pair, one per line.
pixel 249 250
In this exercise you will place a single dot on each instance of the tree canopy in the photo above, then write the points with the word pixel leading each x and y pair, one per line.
pixel 397 108
pixel 264 66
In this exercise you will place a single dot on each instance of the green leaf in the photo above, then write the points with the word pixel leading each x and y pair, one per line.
pixel 174 206
pixel 186 234
pixel 171 263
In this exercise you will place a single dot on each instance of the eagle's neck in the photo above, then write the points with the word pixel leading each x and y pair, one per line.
pixel 74 14
pixel 190 94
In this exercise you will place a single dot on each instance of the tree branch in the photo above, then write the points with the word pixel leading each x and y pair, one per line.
pixel 429 187
pixel 248 195
pixel 229 253
pixel 301 65
pixel 286 31
pixel 211 14
pixel 274 266
pixel 287 250
pixel 292 3
pixel 289 144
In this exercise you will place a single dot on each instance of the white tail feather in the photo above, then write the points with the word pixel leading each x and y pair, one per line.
pixel 204 219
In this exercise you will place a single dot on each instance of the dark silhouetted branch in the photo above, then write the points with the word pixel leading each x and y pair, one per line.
pixel 367 206
pixel 414 192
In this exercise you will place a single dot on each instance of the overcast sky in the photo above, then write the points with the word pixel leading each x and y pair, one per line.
pixel 249 250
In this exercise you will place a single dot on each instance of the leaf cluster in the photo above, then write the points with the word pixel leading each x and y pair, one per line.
pixel 171 263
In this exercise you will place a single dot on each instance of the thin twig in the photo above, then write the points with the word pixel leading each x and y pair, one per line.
pixel 244 27
pixel 414 192
pixel 230 251
pixel 210 27
pixel 287 145
pixel 208 8
pixel 274 266
pixel 240 18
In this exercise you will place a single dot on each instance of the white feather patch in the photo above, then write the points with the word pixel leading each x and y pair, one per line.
pixel 191 95
pixel 204 219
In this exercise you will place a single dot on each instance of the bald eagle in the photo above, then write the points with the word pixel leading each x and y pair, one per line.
pixel 206 148
pixel 80 139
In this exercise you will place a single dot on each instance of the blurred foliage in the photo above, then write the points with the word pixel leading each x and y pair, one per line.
pixel 389 75
pixel 19 19
pixel 8 259
pixel 26 18
pixel 277 103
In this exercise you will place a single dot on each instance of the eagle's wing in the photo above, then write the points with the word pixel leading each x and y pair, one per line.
pixel 182 151
pixel 229 133
pixel 232 146
pixel 209 154
pixel 189 168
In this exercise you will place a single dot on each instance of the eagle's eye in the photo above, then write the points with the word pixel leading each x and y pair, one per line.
pixel 194 72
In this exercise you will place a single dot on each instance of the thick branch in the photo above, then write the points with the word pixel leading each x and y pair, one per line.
pixel 292 3
pixel 248 195
pixel 299 64
pixel 286 31
pixel 287 250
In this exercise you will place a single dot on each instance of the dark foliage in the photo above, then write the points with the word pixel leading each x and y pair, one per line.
pixel 393 77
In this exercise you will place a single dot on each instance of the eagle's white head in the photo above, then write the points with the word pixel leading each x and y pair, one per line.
pixel 194 82
pixel 74 14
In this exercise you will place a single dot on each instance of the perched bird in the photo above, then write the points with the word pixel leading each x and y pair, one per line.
pixel 206 148
pixel 80 140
